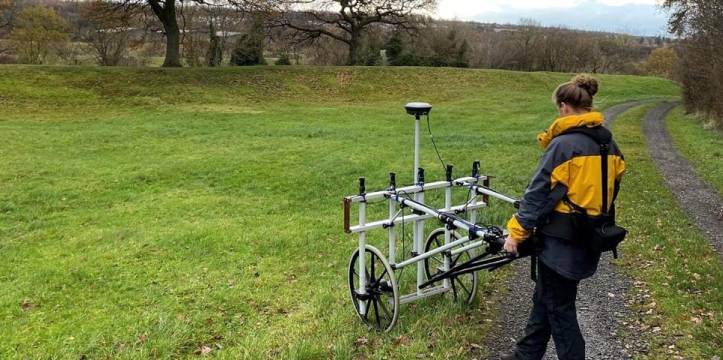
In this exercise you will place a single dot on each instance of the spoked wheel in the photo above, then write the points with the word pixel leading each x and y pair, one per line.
pixel 378 305
pixel 463 287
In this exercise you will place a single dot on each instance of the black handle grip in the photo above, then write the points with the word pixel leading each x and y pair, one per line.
pixel 449 172
pixel 362 186
pixel 392 180
pixel 420 176
pixel 475 168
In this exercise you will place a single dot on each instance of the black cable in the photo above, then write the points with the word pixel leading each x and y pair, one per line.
pixel 466 202
pixel 404 233
pixel 431 137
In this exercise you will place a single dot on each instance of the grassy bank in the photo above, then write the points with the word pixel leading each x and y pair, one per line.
pixel 679 278
pixel 172 212
pixel 701 146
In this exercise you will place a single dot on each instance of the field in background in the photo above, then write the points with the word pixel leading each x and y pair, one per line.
pixel 701 144
pixel 172 212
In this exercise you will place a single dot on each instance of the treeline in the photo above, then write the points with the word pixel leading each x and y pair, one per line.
pixel 700 66
pixel 131 33
pixel 525 47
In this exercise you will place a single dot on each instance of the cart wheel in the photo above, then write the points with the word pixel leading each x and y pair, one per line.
pixel 464 287
pixel 381 296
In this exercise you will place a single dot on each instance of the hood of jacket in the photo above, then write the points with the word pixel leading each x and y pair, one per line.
pixel 562 124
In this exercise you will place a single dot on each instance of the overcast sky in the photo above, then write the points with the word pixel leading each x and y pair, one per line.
pixel 638 17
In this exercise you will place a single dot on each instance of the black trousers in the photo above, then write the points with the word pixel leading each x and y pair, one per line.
pixel 553 313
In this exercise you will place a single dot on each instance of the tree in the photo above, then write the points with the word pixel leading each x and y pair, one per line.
pixel 699 24
pixel 249 49
pixel 215 51
pixel 108 33
pixel 462 59
pixel 526 38
pixel 194 41
pixel 38 32
pixel 661 62
pixel 283 59
pixel 165 12
pixel 8 10
pixel 394 48
pixel 347 21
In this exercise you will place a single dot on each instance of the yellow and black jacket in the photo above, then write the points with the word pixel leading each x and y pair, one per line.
pixel 571 165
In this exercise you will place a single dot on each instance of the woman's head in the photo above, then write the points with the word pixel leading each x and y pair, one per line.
pixel 575 96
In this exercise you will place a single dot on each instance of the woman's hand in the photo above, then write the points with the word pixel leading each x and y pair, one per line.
pixel 511 245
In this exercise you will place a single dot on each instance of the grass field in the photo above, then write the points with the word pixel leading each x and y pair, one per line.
pixel 702 147
pixel 173 212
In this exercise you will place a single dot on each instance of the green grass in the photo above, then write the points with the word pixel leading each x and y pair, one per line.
pixel 679 278
pixel 702 147
pixel 152 212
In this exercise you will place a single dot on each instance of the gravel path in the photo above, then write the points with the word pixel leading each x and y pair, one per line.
pixel 701 202
pixel 601 302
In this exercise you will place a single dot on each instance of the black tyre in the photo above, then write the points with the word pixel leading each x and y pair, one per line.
pixel 380 298
pixel 463 287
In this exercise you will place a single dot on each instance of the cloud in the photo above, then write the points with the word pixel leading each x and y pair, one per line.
pixel 463 9
pixel 638 17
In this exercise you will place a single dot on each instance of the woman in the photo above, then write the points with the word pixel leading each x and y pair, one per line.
pixel 568 178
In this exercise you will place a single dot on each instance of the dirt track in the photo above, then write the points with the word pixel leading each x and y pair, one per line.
pixel 601 302
pixel 701 202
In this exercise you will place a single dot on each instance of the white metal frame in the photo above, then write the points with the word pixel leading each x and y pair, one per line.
pixel 397 198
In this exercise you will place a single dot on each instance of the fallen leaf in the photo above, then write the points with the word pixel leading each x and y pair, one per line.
pixel 26 304
pixel 361 341
pixel 401 340
pixel 203 350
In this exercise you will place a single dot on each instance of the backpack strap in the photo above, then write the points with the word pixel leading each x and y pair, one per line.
pixel 603 137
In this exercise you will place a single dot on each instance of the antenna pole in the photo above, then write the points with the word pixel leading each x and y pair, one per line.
pixel 416 146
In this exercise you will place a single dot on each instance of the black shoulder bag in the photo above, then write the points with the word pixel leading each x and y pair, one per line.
pixel 600 233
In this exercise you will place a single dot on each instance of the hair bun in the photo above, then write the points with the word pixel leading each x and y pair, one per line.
pixel 586 82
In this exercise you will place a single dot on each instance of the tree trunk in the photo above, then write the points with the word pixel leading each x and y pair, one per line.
pixel 172 45
pixel 167 15
pixel 354 48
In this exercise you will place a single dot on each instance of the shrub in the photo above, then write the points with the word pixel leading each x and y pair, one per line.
pixel 38 33
pixel 283 59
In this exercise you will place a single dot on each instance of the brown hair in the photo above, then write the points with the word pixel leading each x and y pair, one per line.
pixel 577 92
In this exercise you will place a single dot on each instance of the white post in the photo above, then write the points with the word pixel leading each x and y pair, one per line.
pixel 416 147
pixel 418 228
pixel 362 257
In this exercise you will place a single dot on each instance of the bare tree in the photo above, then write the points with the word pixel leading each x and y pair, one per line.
pixel 346 21
pixel 527 39
pixel 700 25
pixel 226 20
pixel 8 12
pixel 166 12
pixel 108 33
